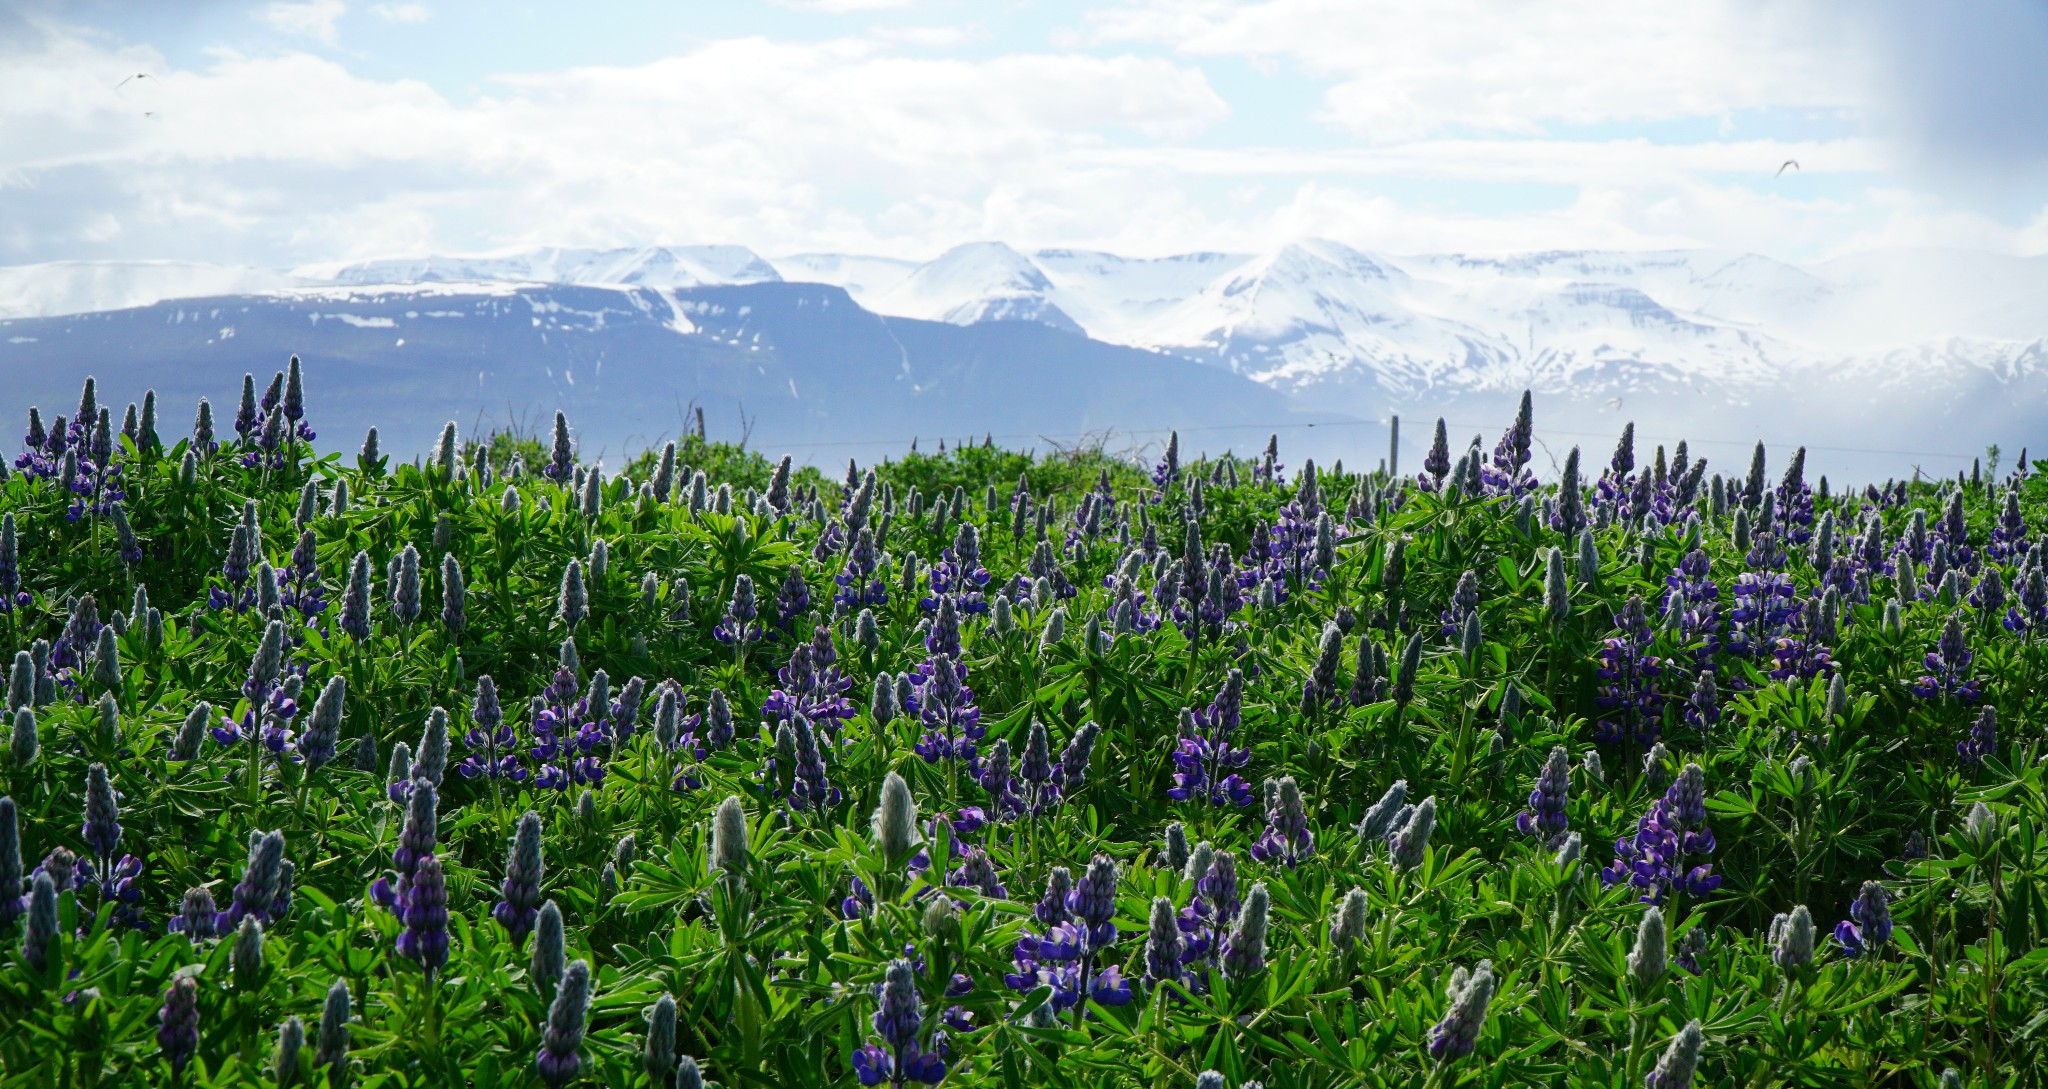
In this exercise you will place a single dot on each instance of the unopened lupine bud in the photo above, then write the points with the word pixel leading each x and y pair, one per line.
pixel 1568 852
pixel 26 744
pixel 405 590
pixel 106 666
pixel 454 598
pixel 729 849
pixel 1175 857
pixel 1557 595
pixel 560 1057
pixel 1347 926
pixel 10 861
pixel 895 820
pixel 284 1060
pixel 1409 845
pixel 882 704
pixel 1199 861
pixel 247 955
pixel 330 1041
pixel 1411 664
pixel 177 1033
pixel 1791 938
pixel 574 602
pixel 658 1052
pixel 1648 961
pixel 102 830
pixel 432 761
pixel 1470 994
pixel 1980 823
pixel 1163 942
pixel 1680 1060
pixel 1379 819
pixel 1244 954
pixel 550 950
pixel 1589 558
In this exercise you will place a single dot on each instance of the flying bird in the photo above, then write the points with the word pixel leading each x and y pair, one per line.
pixel 1614 402
pixel 1792 164
pixel 136 76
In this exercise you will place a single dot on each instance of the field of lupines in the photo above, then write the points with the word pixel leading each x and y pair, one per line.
pixel 500 769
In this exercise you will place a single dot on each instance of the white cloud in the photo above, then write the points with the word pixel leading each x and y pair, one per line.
pixel 1401 70
pixel 843 7
pixel 400 13
pixel 880 144
pixel 307 18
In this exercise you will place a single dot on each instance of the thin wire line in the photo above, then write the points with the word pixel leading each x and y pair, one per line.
pixel 1300 425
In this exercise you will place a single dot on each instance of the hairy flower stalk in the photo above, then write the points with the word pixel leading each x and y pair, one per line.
pixel 560 1057
pixel 1470 994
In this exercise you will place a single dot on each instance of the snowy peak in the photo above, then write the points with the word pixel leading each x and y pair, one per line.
pixel 976 282
pixel 646 266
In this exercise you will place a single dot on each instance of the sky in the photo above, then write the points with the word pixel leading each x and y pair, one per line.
pixel 285 132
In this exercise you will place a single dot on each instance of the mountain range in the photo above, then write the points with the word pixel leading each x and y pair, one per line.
pixel 1880 360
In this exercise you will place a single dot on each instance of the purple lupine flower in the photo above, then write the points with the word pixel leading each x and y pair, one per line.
pixel 1205 758
pixel 898 1020
pixel 1982 740
pixel 1629 676
pixel 490 739
pixel 1671 831
pixel 718 729
pixel 177 1033
pixel 1052 909
pixel 1505 473
pixel 262 878
pixel 1869 925
pixel 1545 818
pixel 946 706
pixel 1764 605
pixel 2031 609
pixel 2009 533
pixel 425 937
pixel 1287 838
pixel 739 625
pixel 1470 994
pixel 811 685
pixel 1948 667
pixel 858 586
pixel 792 601
pixel 1692 590
pixel 1369 681
pixel 196 915
pixel 1703 709
pixel 1093 903
pixel 1163 945
pixel 417 839
pixel 1436 465
pixel 978 872
pixel 1464 599
pixel 524 870
pixel 810 789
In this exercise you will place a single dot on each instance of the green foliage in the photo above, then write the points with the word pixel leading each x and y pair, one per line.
pixel 1808 796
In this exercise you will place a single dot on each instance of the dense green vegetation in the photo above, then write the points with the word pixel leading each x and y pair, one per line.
pixel 498 769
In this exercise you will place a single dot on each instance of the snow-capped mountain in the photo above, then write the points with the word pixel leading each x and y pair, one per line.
pixel 1701 342
pixel 644 266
